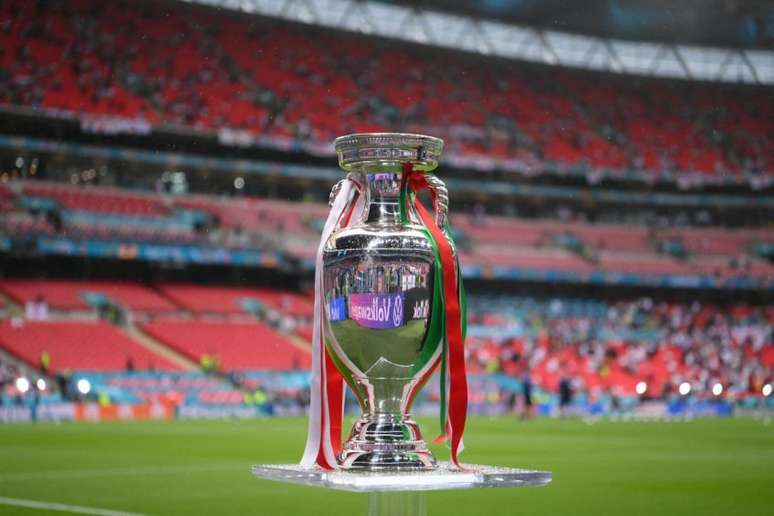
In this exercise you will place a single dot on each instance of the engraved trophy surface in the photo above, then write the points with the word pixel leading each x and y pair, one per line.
pixel 378 283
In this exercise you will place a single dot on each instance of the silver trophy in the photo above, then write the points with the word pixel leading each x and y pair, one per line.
pixel 382 320
pixel 378 284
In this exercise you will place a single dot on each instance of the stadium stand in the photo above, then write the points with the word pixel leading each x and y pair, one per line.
pixel 613 346
pixel 199 71
pixel 77 345
pixel 531 258
pixel 278 81
pixel 103 202
pixel 641 263
pixel 73 295
pixel 257 214
pixel 235 300
pixel 7 198
pixel 237 346
pixel 166 387
pixel 487 241
pixel 606 346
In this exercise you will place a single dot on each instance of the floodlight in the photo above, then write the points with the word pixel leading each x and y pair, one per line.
pixel 84 386
pixel 717 389
pixel 22 384
pixel 685 388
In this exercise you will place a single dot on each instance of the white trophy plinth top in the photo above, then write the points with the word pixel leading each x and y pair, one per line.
pixel 444 477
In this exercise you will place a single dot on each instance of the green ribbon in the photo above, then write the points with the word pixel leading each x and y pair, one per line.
pixel 435 330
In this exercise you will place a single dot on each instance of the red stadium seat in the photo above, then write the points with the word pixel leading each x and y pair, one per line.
pixel 228 300
pixel 69 295
pixel 561 118
pixel 237 346
pixel 78 346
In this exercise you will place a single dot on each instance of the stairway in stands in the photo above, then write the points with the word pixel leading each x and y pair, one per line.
pixel 140 337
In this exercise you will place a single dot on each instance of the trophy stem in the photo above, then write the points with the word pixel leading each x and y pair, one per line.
pixel 397 503
pixel 386 442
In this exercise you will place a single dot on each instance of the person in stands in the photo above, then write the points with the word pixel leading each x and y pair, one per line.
pixel 36 309
pixel 45 362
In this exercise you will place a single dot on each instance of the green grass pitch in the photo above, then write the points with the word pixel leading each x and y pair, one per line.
pixel 203 467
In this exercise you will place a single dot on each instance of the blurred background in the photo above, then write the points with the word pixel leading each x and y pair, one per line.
pixel 165 169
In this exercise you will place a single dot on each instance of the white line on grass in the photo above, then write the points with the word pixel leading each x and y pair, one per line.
pixel 62 507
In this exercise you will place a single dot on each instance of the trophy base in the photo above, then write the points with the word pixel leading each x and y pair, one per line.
pixel 386 442
pixel 445 476
pixel 402 493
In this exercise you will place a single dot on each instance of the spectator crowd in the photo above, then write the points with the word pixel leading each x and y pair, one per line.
pixel 165 64
pixel 607 346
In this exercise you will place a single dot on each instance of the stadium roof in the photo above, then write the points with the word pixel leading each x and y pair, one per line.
pixel 726 23
pixel 535 44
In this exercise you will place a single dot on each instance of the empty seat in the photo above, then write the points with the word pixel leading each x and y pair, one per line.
pixel 78 346
pixel 71 295
pixel 237 346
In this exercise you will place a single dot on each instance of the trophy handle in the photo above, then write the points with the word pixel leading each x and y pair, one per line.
pixel 335 192
pixel 441 204
pixel 358 182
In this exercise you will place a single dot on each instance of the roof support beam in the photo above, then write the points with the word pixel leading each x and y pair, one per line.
pixel 492 38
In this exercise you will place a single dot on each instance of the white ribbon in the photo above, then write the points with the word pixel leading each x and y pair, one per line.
pixel 319 416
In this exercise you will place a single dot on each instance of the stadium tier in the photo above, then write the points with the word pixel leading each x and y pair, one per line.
pixel 534 233
pixel 70 199
pixel 614 346
pixel 87 295
pixel 256 214
pixel 157 299
pixel 281 81
pixel 529 258
pixel 236 346
pixel 606 346
pixel 153 387
pixel 77 345
pixel 491 243
pixel 203 148
pixel 231 300
pixel 6 198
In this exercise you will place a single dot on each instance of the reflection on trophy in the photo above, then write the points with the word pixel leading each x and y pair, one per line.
pixel 379 297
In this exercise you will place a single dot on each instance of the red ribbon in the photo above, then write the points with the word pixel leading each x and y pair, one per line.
pixel 458 383
pixel 333 395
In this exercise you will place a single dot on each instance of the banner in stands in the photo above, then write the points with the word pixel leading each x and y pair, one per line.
pixel 15 414
pixel 157 252
pixel 489 397
pixel 94 412
pixel 378 311
pixel 682 199
pixel 219 412
pixel 114 125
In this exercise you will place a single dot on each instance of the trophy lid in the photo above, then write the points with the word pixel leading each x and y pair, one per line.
pixel 387 151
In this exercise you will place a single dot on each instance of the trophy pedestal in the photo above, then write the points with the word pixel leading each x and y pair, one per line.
pixel 403 493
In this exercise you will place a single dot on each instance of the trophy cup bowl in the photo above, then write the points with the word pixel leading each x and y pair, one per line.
pixel 378 279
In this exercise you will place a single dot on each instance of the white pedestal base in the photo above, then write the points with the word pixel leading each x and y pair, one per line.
pixel 400 493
